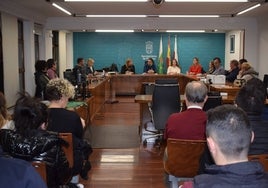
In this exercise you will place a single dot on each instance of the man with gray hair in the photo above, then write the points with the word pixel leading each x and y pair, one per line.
pixel 229 135
pixel 189 124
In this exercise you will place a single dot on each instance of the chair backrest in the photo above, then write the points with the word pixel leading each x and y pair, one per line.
pixel 68 150
pixel 262 158
pixel 40 167
pixel 183 157
pixel 165 101
pixel 214 100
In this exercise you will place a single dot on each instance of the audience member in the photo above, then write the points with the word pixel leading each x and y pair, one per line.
pixel 233 72
pixel 229 135
pixel 90 70
pixel 5 117
pixel 79 71
pixel 251 99
pixel 41 79
pixel 62 120
pixel 174 68
pixel 189 124
pixel 241 61
pixel 18 173
pixel 31 142
pixel 247 72
pixel 51 69
pixel 195 68
pixel 128 67
pixel 219 70
pixel 149 67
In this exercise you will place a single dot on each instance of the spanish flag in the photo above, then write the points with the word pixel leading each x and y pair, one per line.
pixel 168 60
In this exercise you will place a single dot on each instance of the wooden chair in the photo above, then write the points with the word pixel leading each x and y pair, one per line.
pixel 40 167
pixel 262 158
pixel 68 150
pixel 182 159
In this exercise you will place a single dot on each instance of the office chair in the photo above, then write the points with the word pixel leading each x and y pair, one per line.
pixel 181 161
pixel 165 101
pixel 214 100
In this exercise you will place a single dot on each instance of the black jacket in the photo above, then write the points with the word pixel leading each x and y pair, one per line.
pixel 242 175
pixel 39 146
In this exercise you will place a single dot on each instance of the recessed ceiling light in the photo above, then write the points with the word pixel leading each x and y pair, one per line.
pixel 189 16
pixel 253 7
pixel 213 1
pixel 62 9
pixel 116 16
pixel 106 1
pixel 114 31
pixel 185 31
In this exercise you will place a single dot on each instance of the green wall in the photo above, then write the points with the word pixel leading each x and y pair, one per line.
pixel 108 48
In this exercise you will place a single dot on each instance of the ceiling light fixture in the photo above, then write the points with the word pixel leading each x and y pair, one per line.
pixel 189 16
pixel 185 31
pixel 242 12
pixel 114 31
pixel 116 16
pixel 207 1
pixel 62 9
pixel 127 1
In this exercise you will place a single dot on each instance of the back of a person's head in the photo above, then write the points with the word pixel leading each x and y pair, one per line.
pixel 29 114
pixel 40 65
pixel 50 63
pixel 80 59
pixel 241 61
pixel 246 66
pixel 196 92
pixel 229 126
pixel 57 88
pixel 251 96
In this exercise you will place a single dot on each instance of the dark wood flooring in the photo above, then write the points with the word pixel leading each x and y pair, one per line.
pixel 128 168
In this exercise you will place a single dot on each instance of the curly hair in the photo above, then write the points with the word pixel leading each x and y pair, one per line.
pixel 58 87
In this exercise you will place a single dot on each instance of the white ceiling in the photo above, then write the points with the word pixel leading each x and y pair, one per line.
pixel 42 10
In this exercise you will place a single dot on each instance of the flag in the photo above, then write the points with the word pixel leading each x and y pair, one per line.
pixel 160 58
pixel 175 53
pixel 168 61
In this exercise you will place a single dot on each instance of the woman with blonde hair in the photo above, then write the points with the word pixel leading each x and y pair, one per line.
pixel 128 67
pixel 247 72
pixel 66 121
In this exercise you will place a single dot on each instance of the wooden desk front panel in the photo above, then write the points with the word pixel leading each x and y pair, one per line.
pixel 132 84
pixel 101 92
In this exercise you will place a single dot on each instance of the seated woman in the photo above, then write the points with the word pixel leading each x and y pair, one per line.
pixel 174 68
pixel 195 68
pixel 65 121
pixel 128 67
pixel 31 142
pixel 247 72
pixel 149 67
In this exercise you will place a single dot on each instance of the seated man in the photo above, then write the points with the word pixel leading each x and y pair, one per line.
pixel 229 135
pixel 189 124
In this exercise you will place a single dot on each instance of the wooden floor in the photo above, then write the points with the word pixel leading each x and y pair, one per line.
pixel 134 167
